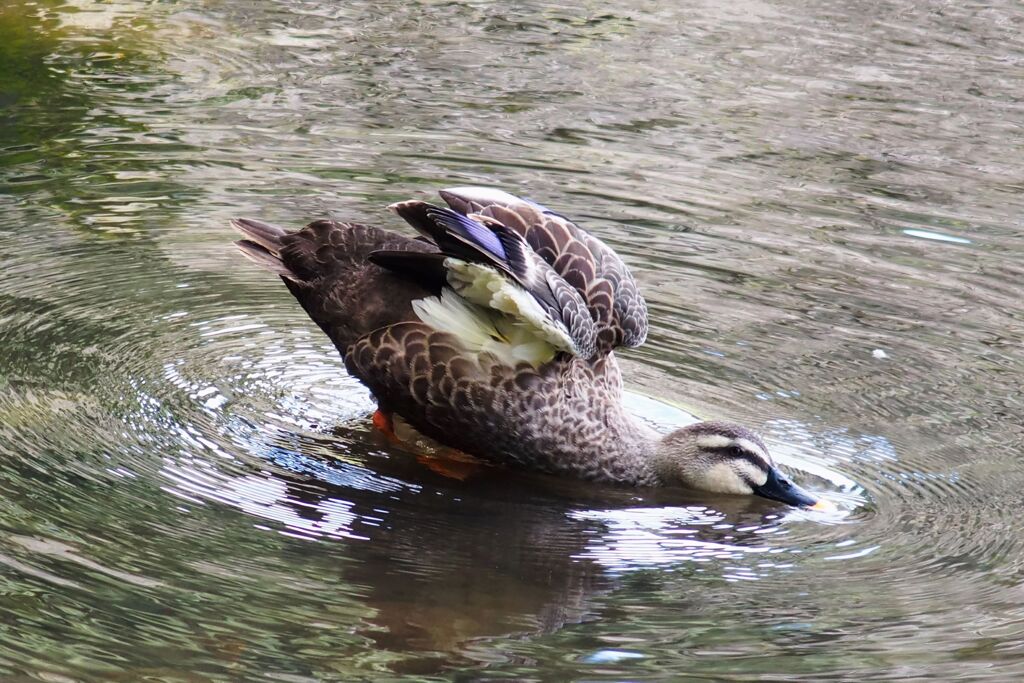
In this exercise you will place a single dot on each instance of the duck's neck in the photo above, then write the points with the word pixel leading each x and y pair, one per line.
pixel 630 457
pixel 590 434
pixel 615 449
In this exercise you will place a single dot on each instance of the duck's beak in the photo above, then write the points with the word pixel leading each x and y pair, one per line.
pixel 779 488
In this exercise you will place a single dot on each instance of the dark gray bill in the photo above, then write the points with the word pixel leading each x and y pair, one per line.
pixel 779 488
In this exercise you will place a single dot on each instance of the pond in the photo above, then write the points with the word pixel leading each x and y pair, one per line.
pixel 823 205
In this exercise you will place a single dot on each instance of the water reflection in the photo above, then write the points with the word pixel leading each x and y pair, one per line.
pixel 444 561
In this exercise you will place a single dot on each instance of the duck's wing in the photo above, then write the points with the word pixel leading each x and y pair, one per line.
pixel 590 266
pixel 546 417
pixel 493 267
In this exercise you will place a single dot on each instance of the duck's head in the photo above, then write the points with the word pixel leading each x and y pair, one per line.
pixel 725 458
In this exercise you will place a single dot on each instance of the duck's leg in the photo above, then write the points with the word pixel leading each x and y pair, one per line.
pixel 451 463
pixel 447 462
pixel 384 422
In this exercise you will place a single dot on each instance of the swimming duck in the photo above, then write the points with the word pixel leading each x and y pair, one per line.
pixel 493 332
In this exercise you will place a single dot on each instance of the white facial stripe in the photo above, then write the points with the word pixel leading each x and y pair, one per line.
pixel 713 441
pixel 753 474
pixel 722 478
pixel 751 447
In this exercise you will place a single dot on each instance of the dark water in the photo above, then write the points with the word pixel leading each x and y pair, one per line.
pixel 824 206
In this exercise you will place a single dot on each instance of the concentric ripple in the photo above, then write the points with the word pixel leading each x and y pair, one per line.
pixel 822 205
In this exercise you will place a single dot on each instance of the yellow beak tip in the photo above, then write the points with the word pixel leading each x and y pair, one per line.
pixel 823 505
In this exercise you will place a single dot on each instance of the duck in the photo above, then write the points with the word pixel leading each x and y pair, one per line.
pixel 493 331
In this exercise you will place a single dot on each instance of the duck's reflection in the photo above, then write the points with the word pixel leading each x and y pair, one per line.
pixel 442 561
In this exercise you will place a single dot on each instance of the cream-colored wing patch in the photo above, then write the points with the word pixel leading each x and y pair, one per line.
pixel 483 331
pixel 449 313
pixel 487 287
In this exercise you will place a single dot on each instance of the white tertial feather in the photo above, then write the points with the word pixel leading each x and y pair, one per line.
pixel 449 313
pixel 484 195
pixel 487 287
pixel 483 331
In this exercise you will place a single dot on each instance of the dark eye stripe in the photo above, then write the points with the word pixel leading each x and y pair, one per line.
pixel 735 452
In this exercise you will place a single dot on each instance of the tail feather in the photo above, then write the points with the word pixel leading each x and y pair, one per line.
pixel 263 258
pixel 264 234
pixel 262 245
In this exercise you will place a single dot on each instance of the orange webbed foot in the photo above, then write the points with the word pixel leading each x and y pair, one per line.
pixel 386 425
pixel 451 463
pixel 447 462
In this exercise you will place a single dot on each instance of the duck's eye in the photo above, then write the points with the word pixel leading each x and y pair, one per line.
pixel 737 452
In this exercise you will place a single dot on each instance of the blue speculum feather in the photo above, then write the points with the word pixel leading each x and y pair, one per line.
pixel 467 227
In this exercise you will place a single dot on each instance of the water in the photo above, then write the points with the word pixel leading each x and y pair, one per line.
pixel 823 205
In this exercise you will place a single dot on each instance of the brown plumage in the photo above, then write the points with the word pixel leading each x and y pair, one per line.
pixel 504 277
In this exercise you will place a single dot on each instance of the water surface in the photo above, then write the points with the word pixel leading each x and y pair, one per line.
pixel 823 205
